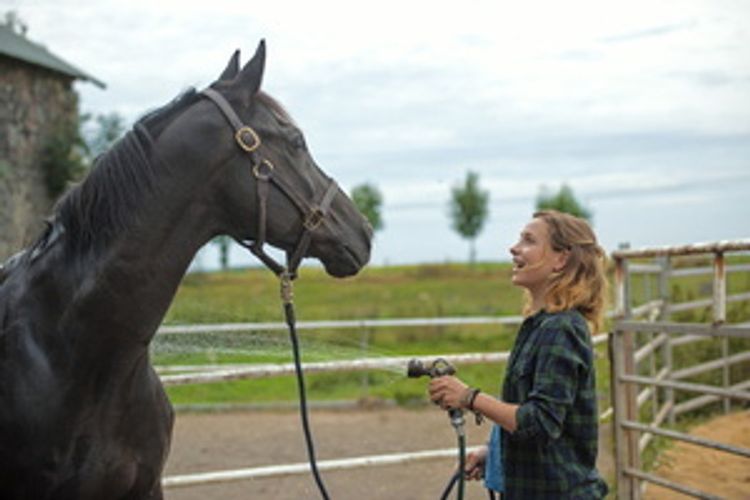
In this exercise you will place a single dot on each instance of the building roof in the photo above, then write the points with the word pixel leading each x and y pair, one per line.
pixel 19 47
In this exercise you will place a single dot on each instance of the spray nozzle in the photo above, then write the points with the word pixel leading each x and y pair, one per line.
pixel 437 368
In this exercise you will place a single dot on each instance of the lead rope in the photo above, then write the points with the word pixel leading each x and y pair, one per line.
pixel 287 298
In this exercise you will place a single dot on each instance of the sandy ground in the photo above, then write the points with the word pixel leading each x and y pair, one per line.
pixel 711 471
pixel 216 441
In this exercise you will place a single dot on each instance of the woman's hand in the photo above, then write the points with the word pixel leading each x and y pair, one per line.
pixel 448 392
pixel 475 460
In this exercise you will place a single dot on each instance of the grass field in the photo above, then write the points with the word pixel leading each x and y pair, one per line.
pixel 414 291
pixel 251 295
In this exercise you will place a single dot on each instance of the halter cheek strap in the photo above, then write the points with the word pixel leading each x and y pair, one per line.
pixel 264 172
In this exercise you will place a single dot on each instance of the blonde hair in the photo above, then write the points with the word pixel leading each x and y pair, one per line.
pixel 581 284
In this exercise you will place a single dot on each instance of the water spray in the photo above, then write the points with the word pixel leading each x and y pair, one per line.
pixel 439 368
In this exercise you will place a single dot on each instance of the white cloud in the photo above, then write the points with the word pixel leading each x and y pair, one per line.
pixel 620 99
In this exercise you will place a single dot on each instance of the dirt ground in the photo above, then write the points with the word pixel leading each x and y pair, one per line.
pixel 217 441
pixel 232 440
pixel 711 471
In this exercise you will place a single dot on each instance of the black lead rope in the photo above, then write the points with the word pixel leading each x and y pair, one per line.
pixel 287 299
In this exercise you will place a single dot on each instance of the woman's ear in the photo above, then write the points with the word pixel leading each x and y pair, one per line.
pixel 561 260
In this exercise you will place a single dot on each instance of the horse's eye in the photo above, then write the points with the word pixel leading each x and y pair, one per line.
pixel 298 142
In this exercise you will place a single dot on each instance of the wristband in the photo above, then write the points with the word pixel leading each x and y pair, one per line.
pixel 472 397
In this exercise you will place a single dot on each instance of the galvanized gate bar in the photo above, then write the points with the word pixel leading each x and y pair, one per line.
pixel 687 386
pixel 697 248
pixel 683 328
pixel 687 490
pixel 738 450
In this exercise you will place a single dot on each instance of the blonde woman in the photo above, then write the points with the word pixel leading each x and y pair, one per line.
pixel 544 441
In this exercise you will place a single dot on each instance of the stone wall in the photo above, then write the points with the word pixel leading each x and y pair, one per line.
pixel 33 102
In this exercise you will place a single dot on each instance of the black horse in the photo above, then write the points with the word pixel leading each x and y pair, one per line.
pixel 83 415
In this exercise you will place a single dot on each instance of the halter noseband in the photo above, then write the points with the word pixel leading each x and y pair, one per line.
pixel 263 170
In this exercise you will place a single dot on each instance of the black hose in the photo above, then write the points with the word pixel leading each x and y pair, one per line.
pixel 449 487
pixel 461 465
pixel 459 476
pixel 290 320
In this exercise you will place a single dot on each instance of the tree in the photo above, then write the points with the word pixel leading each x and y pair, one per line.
pixel 63 155
pixel 369 201
pixel 562 201
pixel 223 243
pixel 72 147
pixel 109 128
pixel 468 210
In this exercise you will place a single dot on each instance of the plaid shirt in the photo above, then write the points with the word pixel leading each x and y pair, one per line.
pixel 550 374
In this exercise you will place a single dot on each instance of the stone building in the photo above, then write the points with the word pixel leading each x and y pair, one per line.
pixel 37 101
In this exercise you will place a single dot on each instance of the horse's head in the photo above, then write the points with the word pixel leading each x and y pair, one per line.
pixel 266 184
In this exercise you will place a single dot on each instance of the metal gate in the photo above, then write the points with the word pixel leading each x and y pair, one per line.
pixel 650 388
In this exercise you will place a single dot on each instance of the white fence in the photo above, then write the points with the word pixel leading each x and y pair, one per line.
pixel 192 374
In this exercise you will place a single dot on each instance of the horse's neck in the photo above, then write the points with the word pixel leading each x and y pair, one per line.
pixel 134 279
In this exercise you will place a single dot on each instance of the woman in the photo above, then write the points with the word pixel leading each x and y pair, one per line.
pixel 544 441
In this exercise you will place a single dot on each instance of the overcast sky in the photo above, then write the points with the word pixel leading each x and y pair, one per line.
pixel 642 107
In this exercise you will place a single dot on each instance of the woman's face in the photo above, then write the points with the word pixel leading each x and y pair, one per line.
pixel 533 258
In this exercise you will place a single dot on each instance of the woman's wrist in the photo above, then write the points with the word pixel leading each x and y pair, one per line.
pixel 474 393
pixel 468 398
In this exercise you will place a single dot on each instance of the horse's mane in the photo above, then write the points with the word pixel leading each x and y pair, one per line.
pixel 157 120
pixel 275 107
pixel 106 201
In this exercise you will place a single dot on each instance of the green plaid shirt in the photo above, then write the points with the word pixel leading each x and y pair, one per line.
pixel 550 374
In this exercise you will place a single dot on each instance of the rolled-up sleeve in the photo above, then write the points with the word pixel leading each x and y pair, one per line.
pixel 560 362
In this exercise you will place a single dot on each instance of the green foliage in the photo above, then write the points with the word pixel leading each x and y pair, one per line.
pixel 562 201
pixel 71 149
pixel 369 201
pixel 14 22
pixel 109 128
pixel 5 168
pixel 222 241
pixel 469 209
pixel 63 156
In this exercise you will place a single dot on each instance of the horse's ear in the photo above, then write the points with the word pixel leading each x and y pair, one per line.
pixel 252 74
pixel 233 67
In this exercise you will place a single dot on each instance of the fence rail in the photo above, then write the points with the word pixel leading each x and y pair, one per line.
pixel 348 324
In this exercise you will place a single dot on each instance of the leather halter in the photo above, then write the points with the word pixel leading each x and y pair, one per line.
pixel 263 170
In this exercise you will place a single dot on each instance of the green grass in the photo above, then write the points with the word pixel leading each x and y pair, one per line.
pixel 389 292
pixel 406 291
pixel 251 295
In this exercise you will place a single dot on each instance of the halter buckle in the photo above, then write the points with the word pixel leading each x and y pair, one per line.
pixel 313 219
pixel 241 137
pixel 264 176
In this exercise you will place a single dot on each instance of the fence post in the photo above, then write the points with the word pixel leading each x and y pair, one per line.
pixel 664 295
pixel 652 365
pixel 720 316
pixel 624 395
pixel 364 347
